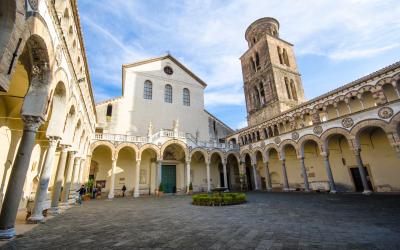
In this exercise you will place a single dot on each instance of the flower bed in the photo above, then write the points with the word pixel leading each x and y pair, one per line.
pixel 217 199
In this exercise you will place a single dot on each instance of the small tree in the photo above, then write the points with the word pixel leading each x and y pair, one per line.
pixel 161 188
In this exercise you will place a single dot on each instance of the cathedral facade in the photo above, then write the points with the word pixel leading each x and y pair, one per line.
pixel 158 134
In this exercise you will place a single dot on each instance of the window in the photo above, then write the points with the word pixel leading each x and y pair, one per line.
pixel 257 62
pixel 280 55
pixel 293 88
pixel 286 58
pixel 148 90
pixel 287 88
pixel 109 112
pixel 253 66
pixel 168 93
pixel 186 97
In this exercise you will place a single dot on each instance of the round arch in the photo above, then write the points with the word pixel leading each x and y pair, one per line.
pixel 177 142
pixel 152 147
pixel 262 152
pixel 334 131
pixel 108 144
pixel 302 141
pixel 243 155
pixel 201 151
pixel 359 127
pixel 284 144
pixel 216 151
pixel 128 145
pixel 269 147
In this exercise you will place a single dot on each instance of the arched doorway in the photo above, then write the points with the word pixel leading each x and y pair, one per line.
pixel 379 159
pixel 249 173
pixel 233 172
pixel 198 171
pixel 275 168
pixel 173 168
pixel 341 160
pixel 125 171
pixel 216 170
pixel 102 160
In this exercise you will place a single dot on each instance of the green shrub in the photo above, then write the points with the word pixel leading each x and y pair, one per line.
pixel 217 199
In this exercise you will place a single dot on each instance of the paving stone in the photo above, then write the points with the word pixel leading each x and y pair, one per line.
pixel 267 221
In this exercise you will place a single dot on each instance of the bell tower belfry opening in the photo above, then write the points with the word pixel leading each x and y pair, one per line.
pixel 272 82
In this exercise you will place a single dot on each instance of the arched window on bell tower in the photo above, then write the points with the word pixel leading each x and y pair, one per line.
pixel 287 88
pixel 253 66
pixel 280 55
pixel 285 57
pixel 293 88
pixel 258 67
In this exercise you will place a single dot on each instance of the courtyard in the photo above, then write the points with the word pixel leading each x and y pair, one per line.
pixel 267 221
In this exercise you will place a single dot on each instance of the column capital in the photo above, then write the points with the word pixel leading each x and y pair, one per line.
pixel 325 154
pixel 53 140
pixel 32 123
pixel 63 147
pixel 138 161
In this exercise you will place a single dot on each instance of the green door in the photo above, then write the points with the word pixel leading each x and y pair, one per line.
pixel 168 178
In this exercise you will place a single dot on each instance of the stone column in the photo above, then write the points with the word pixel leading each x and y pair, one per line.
pixel 363 175
pixel 208 177
pixel 304 172
pixel 268 176
pixel 329 173
pixel 159 174
pixel 16 181
pixel 81 168
pixel 74 182
pixel 41 191
pixel 187 176
pixel 112 179
pixel 68 178
pixel 225 174
pixel 55 197
pixel 284 176
pixel 137 179
pixel 255 177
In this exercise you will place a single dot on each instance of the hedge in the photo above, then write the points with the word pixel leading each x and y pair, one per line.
pixel 217 199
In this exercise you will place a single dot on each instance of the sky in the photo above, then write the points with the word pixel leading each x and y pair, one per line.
pixel 335 42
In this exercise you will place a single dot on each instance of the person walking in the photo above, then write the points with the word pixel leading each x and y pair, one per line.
pixel 123 190
pixel 81 192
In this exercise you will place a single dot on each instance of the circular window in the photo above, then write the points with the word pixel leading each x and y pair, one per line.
pixel 168 70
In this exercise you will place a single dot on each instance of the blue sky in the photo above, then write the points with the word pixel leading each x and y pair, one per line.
pixel 336 41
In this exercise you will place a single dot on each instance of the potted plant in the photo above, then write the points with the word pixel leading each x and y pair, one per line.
pixel 160 190
pixel 190 188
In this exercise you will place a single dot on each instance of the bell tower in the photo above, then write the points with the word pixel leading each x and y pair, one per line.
pixel 272 82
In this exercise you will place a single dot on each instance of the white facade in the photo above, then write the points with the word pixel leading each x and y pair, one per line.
pixel 132 113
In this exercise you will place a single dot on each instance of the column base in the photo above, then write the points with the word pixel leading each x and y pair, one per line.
pixel 136 195
pixel 333 192
pixel 54 211
pixel 110 196
pixel 269 189
pixel 7 233
pixel 307 190
pixel 63 205
pixel 286 190
pixel 367 192
pixel 34 219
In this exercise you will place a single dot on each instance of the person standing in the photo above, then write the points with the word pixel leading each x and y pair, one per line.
pixel 81 192
pixel 123 190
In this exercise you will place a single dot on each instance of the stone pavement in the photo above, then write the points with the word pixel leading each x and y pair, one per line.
pixel 267 221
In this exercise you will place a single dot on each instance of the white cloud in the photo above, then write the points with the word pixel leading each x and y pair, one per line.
pixel 209 35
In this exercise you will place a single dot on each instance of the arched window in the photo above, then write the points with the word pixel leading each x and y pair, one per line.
pixel 286 58
pixel 293 88
pixel 257 62
pixel 109 110
pixel 186 97
pixel 168 93
pixel 287 88
pixel 253 66
pixel 280 55
pixel 148 90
